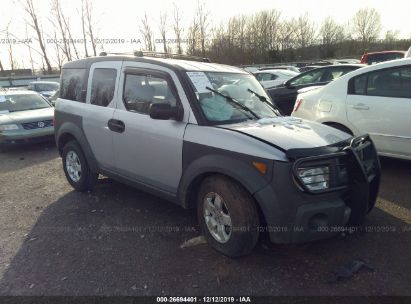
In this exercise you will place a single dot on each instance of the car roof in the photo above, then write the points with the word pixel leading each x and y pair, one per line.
pixel 370 68
pixel 43 82
pixel 182 65
pixel 17 92
pixel 385 52
pixel 277 71
pixel 386 64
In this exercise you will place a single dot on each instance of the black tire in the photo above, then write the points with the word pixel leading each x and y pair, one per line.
pixel 339 127
pixel 88 178
pixel 242 211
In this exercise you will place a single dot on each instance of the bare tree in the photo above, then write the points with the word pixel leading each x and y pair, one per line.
pixel 366 25
pixel 203 23
pixel 391 35
pixel 35 24
pixel 193 34
pixel 147 33
pixel 89 18
pixel 163 29
pixel 59 55
pixel 9 41
pixel 177 27
pixel 305 30
pixel 58 18
pixel 287 34
pixel 83 27
pixel 330 33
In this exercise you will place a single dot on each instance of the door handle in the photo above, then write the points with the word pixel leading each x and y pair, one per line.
pixel 116 125
pixel 360 106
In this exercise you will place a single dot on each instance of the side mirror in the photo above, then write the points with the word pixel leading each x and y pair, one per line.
pixel 165 111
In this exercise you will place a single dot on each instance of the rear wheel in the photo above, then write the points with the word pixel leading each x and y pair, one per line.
pixel 76 168
pixel 228 216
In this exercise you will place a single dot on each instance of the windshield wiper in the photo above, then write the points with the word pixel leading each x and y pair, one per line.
pixel 232 100
pixel 263 99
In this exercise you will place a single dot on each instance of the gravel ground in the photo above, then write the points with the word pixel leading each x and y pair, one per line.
pixel 117 240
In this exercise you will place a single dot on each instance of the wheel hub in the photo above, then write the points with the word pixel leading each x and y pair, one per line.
pixel 73 166
pixel 217 217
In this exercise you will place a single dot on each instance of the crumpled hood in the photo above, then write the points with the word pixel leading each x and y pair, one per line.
pixel 290 132
pixel 27 116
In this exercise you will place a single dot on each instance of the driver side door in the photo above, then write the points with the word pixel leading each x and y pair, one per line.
pixel 148 151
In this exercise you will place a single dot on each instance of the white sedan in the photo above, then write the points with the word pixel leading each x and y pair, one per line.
pixel 271 78
pixel 374 100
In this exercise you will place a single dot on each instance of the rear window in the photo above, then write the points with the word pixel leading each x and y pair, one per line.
pixel 72 82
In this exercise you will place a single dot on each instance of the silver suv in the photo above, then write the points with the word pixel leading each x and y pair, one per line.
pixel 207 136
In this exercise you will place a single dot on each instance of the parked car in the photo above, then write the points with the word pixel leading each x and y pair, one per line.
pixel 281 67
pixel 285 94
pixel 408 54
pixel 45 88
pixel 164 126
pixel 54 97
pixel 376 57
pixel 309 68
pixel 270 78
pixel 374 100
pixel 24 116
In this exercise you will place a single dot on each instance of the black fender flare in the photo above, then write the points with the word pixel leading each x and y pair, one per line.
pixel 70 129
pixel 238 169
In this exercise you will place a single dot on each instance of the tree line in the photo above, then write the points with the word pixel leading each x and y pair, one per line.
pixel 262 37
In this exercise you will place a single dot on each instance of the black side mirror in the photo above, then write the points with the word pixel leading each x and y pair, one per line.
pixel 165 111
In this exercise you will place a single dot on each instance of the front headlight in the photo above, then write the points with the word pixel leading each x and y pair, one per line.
pixel 8 127
pixel 315 178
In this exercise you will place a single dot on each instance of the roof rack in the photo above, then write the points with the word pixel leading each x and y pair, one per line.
pixel 159 55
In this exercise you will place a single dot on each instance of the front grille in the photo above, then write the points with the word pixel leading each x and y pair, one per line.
pixel 37 124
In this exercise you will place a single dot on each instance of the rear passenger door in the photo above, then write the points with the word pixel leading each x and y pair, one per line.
pixel 379 103
pixel 99 110
pixel 148 150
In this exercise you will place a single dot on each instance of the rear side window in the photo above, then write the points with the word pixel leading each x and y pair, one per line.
pixel 394 82
pixel 102 86
pixel 360 85
pixel 72 81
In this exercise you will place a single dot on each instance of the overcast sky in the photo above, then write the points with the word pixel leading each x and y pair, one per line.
pixel 120 18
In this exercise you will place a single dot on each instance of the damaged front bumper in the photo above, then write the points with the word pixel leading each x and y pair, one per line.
pixel 295 212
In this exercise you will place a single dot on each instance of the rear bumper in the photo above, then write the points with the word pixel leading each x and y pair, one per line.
pixel 22 136
pixel 294 214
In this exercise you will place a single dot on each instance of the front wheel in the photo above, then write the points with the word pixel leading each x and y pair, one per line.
pixel 76 168
pixel 228 216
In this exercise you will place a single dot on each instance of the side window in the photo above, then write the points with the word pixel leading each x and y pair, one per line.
pixel 384 83
pixel 406 82
pixel 72 81
pixel 142 90
pixel 359 85
pixel 102 86
pixel 309 77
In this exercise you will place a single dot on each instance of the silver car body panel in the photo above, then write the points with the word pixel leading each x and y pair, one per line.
pixel 150 150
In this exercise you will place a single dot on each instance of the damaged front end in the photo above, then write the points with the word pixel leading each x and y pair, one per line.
pixel 334 188
pixel 352 167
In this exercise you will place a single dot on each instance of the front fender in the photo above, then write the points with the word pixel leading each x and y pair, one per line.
pixel 200 161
